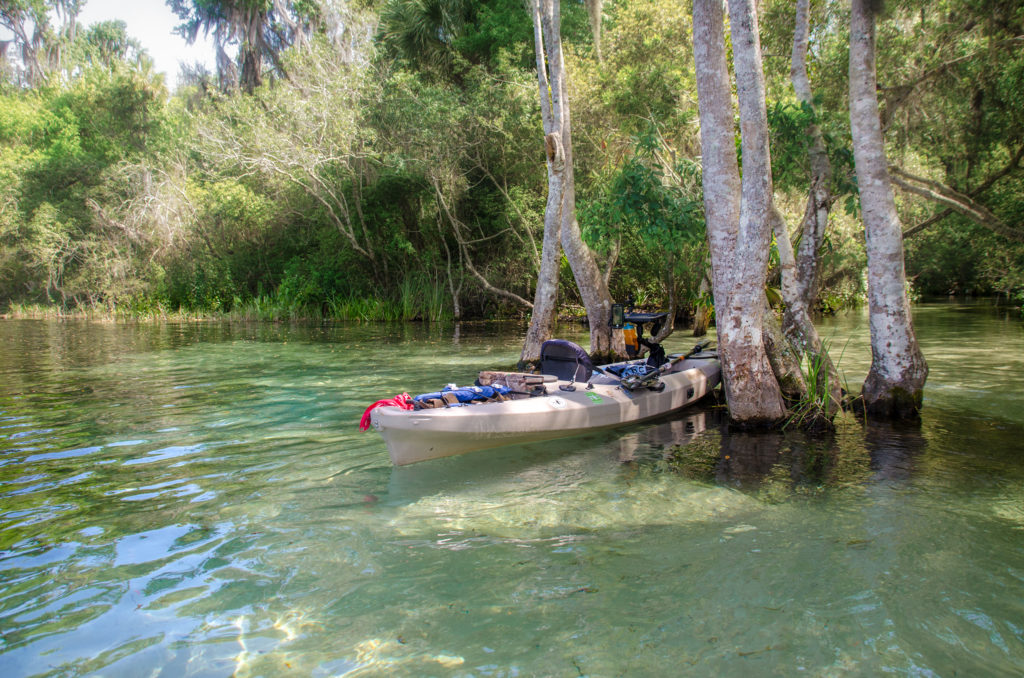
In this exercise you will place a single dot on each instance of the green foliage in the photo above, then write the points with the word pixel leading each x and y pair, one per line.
pixel 363 184
pixel 815 409
pixel 261 30
pixel 947 259
pixel 59 148
pixel 107 44
pixel 443 38
pixel 202 284
pixel 788 123
pixel 642 198
pixel 647 49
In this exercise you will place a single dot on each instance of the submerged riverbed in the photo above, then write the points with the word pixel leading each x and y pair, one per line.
pixel 196 500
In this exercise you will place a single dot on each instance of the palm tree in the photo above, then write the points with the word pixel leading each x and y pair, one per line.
pixel 422 31
pixel 262 29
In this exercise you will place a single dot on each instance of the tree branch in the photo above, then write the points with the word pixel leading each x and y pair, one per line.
pixel 954 200
pixel 457 228
pixel 900 93
pixel 522 218
pixel 1012 165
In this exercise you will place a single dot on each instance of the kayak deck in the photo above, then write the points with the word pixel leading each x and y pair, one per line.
pixel 419 435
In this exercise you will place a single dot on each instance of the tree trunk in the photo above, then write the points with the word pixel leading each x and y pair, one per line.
pixel 738 234
pixel 670 322
pixel 785 361
pixel 801 271
pixel 819 197
pixel 594 10
pixel 800 332
pixel 250 52
pixel 894 384
pixel 545 297
pixel 604 344
pixel 702 315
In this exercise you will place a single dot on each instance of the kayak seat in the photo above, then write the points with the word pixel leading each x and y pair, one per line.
pixel 565 360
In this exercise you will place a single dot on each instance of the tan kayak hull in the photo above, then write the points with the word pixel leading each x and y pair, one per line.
pixel 419 435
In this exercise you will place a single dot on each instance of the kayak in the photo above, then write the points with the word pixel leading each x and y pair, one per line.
pixel 565 400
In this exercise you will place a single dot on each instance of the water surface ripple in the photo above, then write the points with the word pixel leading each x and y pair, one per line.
pixel 195 500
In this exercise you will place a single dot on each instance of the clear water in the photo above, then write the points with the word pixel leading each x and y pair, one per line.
pixel 196 500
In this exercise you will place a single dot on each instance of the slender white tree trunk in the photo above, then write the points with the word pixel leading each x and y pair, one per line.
pixel 894 384
pixel 591 284
pixel 594 9
pixel 702 316
pixel 545 298
pixel 800 270
pixel 819 198
pixel 738 229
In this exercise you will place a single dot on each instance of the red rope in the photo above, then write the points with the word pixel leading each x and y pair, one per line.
pixel 402 400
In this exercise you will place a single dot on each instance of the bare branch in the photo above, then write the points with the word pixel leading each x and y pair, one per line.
pixel 522 218
pixel 1009 168
pixel 463 245
pixel 954 200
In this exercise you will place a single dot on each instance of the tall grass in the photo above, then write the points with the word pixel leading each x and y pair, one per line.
pixel 363 309
pixel 130 312
pixel 423 297
pixel 436 305
pixel 816 409
pixel 419 297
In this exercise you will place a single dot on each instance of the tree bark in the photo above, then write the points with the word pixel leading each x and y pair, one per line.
pixel 819 198
pixel 800 271
pixel 545 296
pixel 702 314
pixel 604 344
pixel 801 335
pixel 737 230
pixel 893 387
pixel 784 359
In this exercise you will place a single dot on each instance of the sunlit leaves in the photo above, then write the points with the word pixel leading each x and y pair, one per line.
pixel 788 123
pixel 646 198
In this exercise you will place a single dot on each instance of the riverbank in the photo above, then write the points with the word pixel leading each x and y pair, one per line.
pixel 265 310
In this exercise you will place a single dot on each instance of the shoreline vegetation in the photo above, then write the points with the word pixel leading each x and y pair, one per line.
pixel 264 310
pixel 255 310
pixel 141 201
pixel 352 310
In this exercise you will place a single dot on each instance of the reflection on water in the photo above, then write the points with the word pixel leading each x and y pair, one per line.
pixel 196 500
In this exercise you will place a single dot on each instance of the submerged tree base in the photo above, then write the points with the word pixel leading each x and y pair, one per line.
pixel 528 366
pixel 757 425
pixel 813 421
pixel 607 357
pixel 894 403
